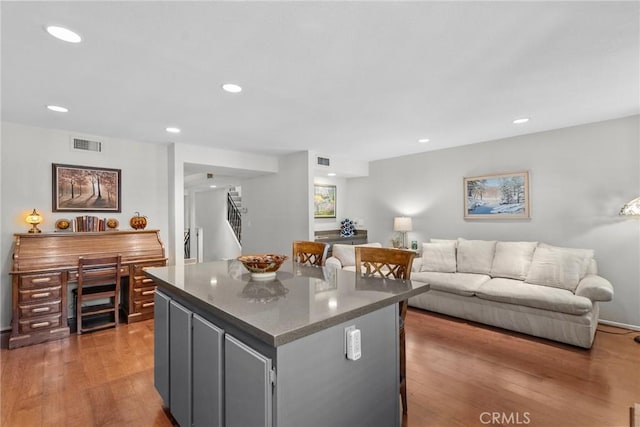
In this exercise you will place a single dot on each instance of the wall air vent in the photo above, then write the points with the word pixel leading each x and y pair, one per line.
pixel 324 161
pixel 81 144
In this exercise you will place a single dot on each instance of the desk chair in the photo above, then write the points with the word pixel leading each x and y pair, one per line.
pixel 98 278
pixel 312 253
pixel 395 264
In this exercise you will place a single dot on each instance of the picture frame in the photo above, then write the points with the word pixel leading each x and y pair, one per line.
pixel 85 189
pixel 324 201
pixel 498 196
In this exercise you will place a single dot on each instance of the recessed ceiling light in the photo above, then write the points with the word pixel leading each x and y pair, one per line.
pixel 58 109
pixel 423 140
pixel 520 121
pixel 213 186
pixel 64 34
pixel 230 87
pixel 331 174
pixel 173 130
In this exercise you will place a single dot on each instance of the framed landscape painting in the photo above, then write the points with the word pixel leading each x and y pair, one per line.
pixel 324 201
pixel 504 196
pixel 85 189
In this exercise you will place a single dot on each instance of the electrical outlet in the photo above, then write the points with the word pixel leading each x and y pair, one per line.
pixel 346 334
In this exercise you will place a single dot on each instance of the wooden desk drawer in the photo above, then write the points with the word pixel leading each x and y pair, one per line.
pixel 40 280
pixel 39 295
pixel 142 282
pixel 36 324
pixel 34 310
pixel 144 293
pixel 137 268
pixel 143 306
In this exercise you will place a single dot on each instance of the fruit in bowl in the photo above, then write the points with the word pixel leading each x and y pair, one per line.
pixel 262 266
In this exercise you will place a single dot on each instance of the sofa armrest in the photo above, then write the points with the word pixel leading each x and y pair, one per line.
pixel 417 263
pixel 596 288
pixel 333 262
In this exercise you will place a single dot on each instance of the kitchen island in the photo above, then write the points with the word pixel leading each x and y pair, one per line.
pixel 234 351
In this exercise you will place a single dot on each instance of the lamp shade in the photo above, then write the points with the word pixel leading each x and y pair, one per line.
pixel 631 208
pixel 402 223
pixel 34 218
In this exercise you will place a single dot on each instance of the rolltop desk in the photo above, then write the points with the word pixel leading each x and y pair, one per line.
pixel 45 264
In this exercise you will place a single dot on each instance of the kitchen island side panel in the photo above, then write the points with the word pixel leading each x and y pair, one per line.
pixel 317 386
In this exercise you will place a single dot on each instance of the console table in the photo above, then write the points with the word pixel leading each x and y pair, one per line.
pixel 44 264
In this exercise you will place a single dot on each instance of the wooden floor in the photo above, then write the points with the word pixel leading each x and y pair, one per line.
pixel 458 374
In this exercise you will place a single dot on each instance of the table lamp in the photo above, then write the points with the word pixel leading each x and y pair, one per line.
pixel 34 219
pixel 403 225
pixel 632 208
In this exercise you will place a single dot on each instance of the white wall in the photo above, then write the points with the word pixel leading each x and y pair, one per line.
pixel 178 155
pixel 211 215
pixel 579 179
pixel 27 155
pixel 278 207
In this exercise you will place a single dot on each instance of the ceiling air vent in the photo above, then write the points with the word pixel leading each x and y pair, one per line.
pixel 323 161
pixel 86 145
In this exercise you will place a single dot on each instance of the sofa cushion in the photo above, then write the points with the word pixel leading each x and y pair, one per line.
pixel 464 284
pixel 520 293
pixel 586 255
pixel 438 257
pixel 347 253
pixel 475 256
pixel 512 259
pixel 558 267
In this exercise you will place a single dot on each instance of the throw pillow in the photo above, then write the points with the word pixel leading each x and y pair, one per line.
pixel 587 255
pixel 512 259
pixel 347 254
pixel 453 242
pixel 438 257
pixel 475 256
pixel 558 267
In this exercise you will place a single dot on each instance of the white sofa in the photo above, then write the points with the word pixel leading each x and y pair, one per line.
pixel 536 289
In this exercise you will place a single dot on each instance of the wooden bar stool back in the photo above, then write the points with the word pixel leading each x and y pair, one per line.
pixel 313 253
pixel 394 264
pixel 98 279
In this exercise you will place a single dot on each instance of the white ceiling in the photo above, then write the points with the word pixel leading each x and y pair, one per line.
pixel 348 79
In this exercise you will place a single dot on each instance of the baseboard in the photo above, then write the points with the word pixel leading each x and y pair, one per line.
pixel 619 325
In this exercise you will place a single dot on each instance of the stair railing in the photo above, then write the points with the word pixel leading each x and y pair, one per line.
pixel 234 217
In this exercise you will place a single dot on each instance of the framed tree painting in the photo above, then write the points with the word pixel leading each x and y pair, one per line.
pixel 85 189
pixel 324 201
pixel 504 196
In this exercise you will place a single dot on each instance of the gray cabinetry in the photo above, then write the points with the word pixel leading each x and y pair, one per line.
pixel 192 359
pixel 161 346
pixel 180 363
pixel 248 398
pixel 208 391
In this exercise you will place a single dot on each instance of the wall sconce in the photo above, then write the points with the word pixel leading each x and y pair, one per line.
pixel 34 219
pixel 403 225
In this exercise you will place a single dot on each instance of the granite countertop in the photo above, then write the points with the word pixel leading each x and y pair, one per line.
pixel 300 301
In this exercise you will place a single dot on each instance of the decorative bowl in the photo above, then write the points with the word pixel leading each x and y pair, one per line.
pixel 262 266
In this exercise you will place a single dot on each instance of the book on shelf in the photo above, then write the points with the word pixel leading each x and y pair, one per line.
pixel 89 223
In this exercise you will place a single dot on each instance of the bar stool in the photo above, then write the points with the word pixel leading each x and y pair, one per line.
pixel 313 253
pixel 396 264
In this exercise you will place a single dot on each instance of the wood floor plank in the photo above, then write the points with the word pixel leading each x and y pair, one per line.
pixel 459 374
